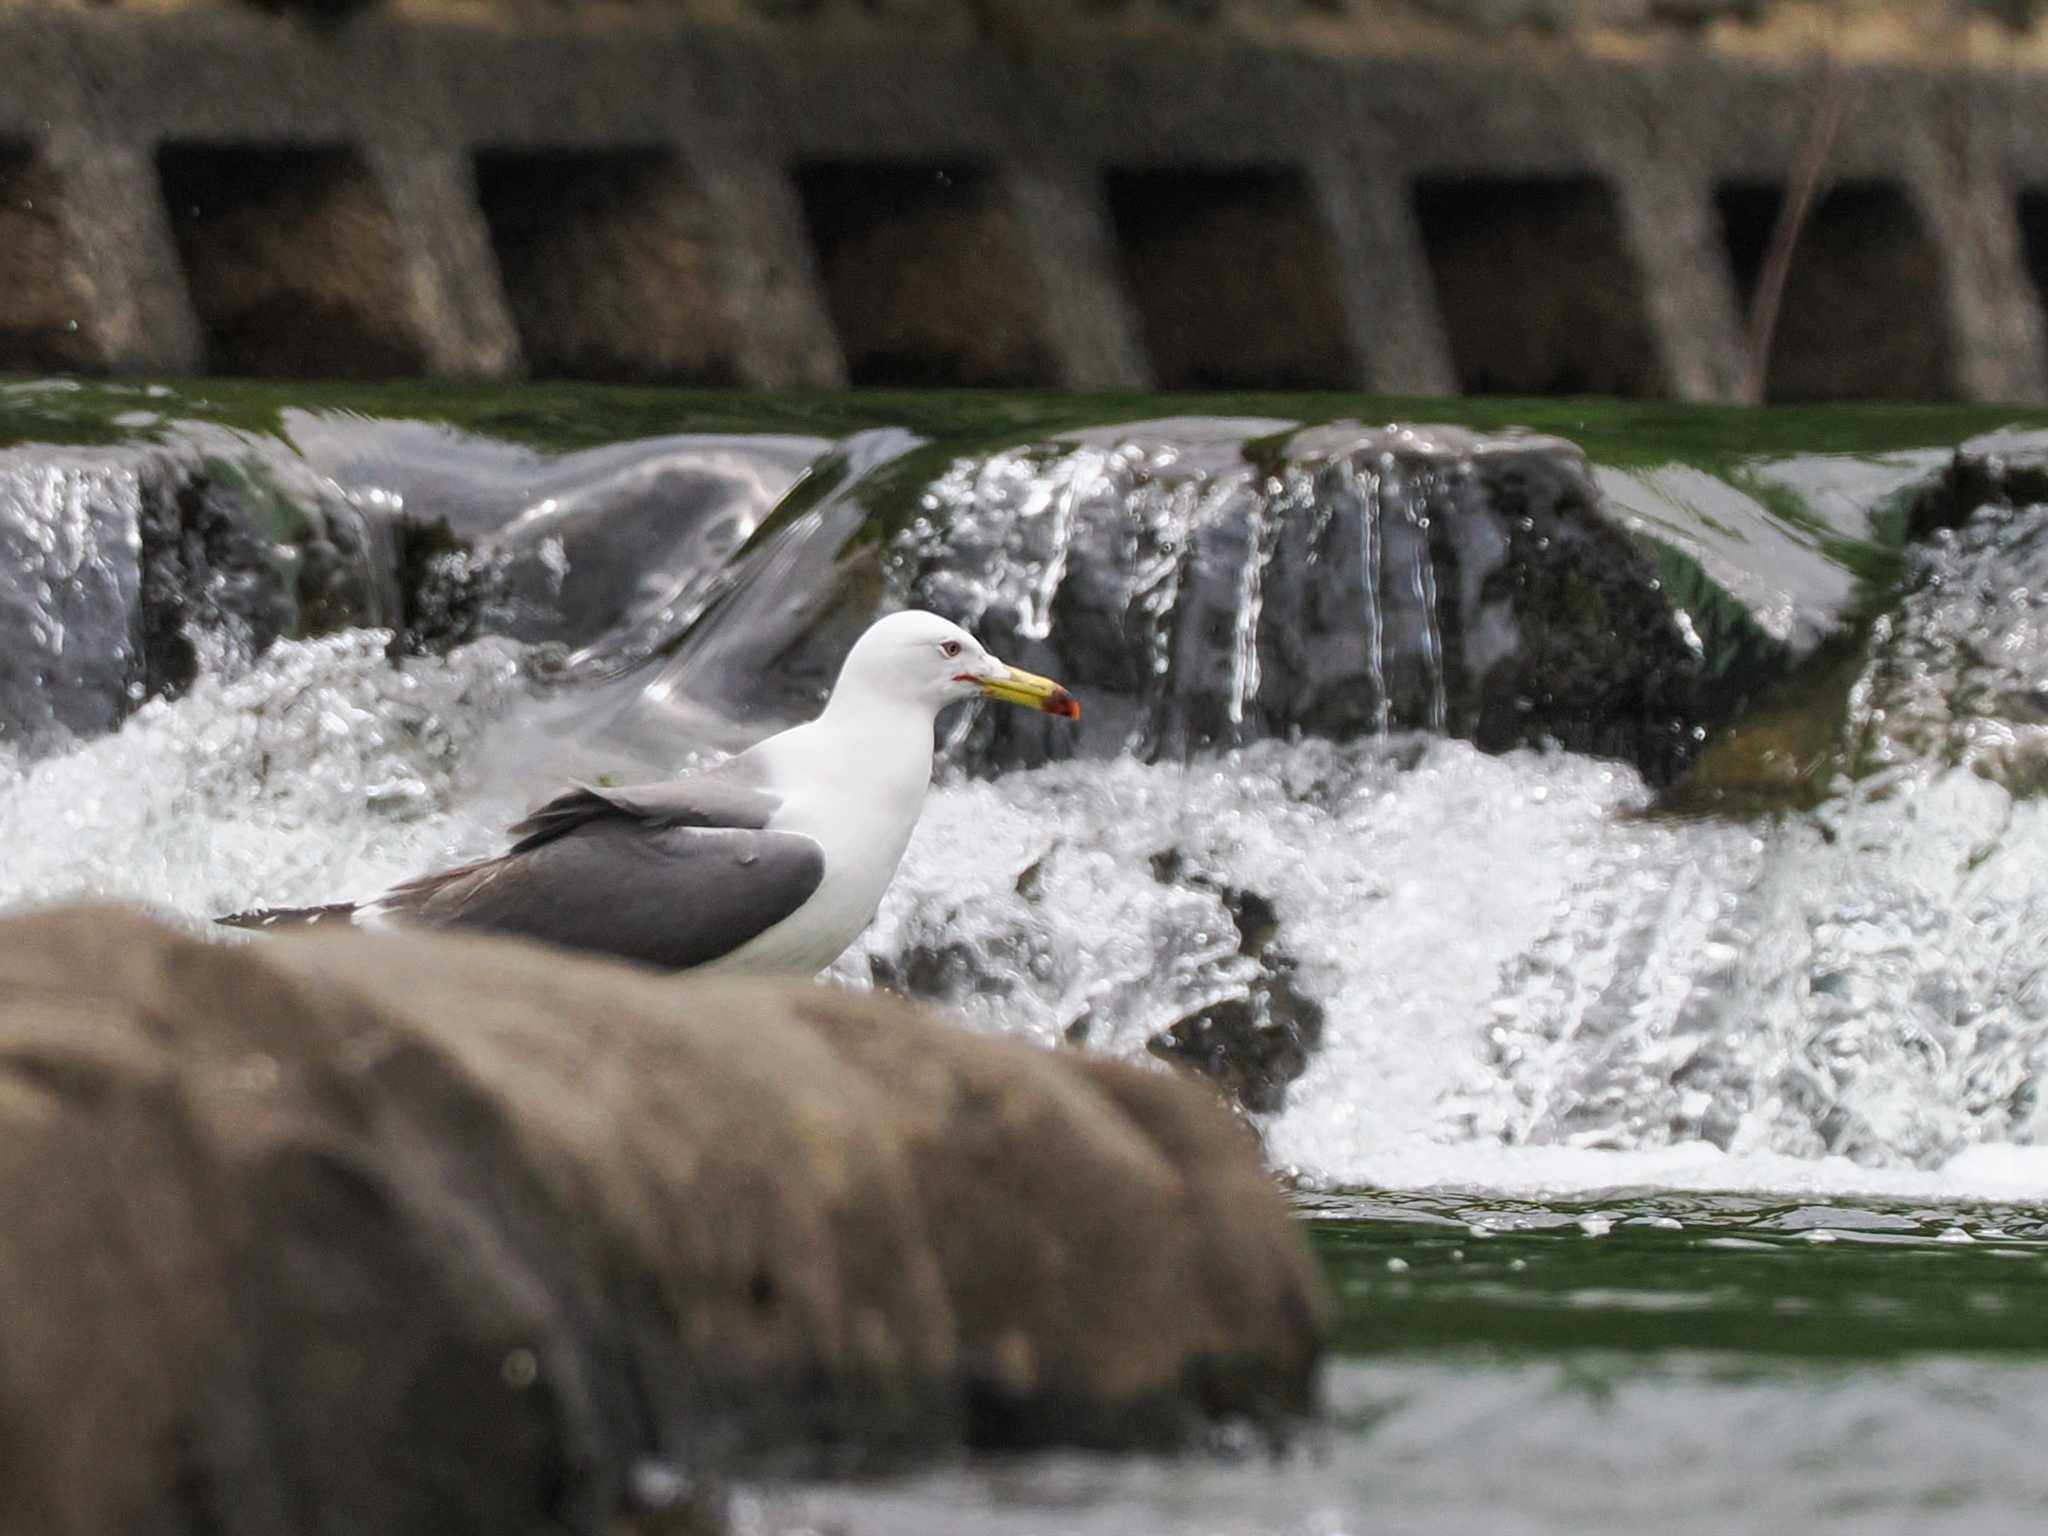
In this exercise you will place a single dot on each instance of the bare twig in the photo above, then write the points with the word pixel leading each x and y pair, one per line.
pixel 1793 212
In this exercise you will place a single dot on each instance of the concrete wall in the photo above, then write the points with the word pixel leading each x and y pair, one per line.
pixel 916 191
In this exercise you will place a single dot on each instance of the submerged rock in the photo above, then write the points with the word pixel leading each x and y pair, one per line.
pixel 1258 1038
pixel 401 1234
pixel 611 551
pixel 2008 469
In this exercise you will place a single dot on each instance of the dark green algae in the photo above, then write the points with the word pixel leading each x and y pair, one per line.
pixel 560 416
pixel 556 417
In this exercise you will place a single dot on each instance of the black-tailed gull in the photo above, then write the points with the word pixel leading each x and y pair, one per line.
pixel 773 860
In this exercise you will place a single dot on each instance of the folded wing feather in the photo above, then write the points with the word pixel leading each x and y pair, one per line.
pixel 669 875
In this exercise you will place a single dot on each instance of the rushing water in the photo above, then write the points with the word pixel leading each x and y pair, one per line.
pixel 1719 1136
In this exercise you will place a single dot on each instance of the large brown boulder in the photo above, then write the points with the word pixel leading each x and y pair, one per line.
pixel 392 1234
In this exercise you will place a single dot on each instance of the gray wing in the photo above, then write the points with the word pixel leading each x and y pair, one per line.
pixel 618 883
pixel 730 795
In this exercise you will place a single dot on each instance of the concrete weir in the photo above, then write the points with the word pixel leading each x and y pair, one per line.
pixel 1396 195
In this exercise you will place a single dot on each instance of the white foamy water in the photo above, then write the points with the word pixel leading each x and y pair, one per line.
pixel 1527 985
pixel 323 772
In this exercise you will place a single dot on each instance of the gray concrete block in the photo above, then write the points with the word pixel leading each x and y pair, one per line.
pixel 1169 203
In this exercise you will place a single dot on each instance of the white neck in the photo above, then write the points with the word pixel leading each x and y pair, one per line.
pixel 854 779
pixel 867 758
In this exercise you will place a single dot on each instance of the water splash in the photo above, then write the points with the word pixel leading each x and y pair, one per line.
pixel 1504 954
pixel 1508 953
pixel 1511 965
pixel 1363 488
pixel 1959 669
pixel 324 772
pixel 1447 966
pixel 70 581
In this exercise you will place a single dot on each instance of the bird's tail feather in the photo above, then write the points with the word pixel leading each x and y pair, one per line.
pixel 290 917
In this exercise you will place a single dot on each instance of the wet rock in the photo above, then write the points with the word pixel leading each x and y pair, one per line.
pixel 1780 566
pixel 1210 582
pixel 405 1234
pixel 1252 1044
pixel 1201 585
pixel 118 567
pixel 1204 583
pixel 612 551
pixel 240 553
pixel 449 591
pixel 2007 469
pixel 1109 941
pixel 122 570
pixel 1943 673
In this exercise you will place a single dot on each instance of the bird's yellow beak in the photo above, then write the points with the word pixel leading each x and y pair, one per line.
pixel 1032 691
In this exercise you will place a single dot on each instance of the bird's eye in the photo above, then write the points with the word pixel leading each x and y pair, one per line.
pixel 949 648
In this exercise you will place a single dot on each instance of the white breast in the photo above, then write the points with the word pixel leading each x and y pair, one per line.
pixel 857 792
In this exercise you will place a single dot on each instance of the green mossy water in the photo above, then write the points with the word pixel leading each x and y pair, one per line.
pixel 560 417
pixel 1685 1364
pixel 1755 1277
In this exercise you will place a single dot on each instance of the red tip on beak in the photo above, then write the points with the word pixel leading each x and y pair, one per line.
pixel 1030 690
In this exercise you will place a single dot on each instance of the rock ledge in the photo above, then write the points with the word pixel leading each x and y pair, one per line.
pixel 403 1234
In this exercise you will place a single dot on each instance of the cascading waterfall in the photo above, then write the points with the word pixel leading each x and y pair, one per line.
pixel 1281 855
pixel 1373 560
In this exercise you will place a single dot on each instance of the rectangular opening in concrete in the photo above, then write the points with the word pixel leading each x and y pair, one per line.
pixel 291 259
pixel 1233 277
pixel 926 274
pixel 604 256
pixel 43 326
pixel 2032 210
pixel 1538 290
pixel 1859 314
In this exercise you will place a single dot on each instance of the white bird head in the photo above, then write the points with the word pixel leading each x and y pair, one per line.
pixel 919 656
